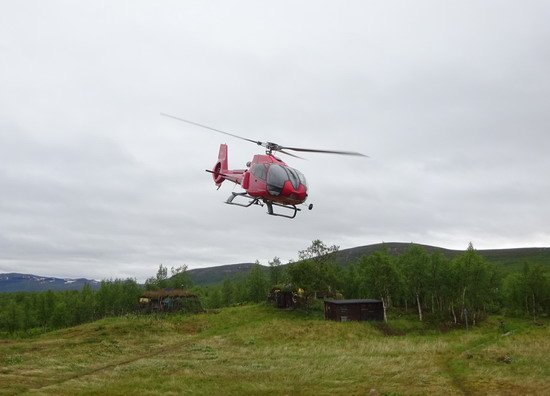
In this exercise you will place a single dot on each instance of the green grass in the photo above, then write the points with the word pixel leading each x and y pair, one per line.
pixel 260 350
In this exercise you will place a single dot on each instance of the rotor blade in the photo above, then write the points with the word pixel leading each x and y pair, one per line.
pixel 292 155
pixel 325 151
pixel 212 129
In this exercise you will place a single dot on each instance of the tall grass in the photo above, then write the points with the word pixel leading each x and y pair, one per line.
pixel 261 350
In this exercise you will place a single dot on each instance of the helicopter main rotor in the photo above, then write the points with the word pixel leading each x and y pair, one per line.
pixel 270 146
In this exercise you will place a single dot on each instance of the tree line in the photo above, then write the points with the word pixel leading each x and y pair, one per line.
pixel 42 311
pixel 463 289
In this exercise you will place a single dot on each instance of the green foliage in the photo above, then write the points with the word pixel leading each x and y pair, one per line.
pixel 160 281
pixel 179 279
pixel 23 312
pixel 415 267
pixel 528 291
pixel 276 272
pixel 438 281
pixel 213 297
pixel 379 277
pixel 464 290
pixel 317 250
pixel 60 315
pixel 46 302
pixel 11 317
pixel 228 293
pixel 317 271
pixel 237 291
pixel 474 284
pixel 352 283
pixel 257 284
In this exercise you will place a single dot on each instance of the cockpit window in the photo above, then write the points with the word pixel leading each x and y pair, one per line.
pixel 293 177
pixel 278 175
pixel 302 178
pixel 260 171
pixel 276 178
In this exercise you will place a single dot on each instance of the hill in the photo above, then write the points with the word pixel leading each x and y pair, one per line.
pixel 211 275
pixel 505 259
pixel 256 349
pixel 14 282
pixel 347 256
pixel 513 259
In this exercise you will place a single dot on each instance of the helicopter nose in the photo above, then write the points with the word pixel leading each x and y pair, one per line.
pixel 298 194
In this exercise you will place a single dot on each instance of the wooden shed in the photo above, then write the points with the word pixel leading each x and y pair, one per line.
pixel 360 309
pixel 169 301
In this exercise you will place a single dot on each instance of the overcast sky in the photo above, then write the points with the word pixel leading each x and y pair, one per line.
pixel 450 99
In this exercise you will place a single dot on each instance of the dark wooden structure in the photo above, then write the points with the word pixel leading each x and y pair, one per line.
pixel 346 310
pixel 170 300
pixel 284 299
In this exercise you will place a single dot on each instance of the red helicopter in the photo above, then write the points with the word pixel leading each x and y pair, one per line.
pixel 267 179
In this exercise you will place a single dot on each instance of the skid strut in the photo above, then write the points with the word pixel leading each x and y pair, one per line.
pixel 270 211
pixel 270 205
pixel 252 200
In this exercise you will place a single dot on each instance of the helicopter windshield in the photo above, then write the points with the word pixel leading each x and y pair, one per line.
pixel 277 175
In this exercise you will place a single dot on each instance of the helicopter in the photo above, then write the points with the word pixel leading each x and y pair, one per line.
pixel 267 180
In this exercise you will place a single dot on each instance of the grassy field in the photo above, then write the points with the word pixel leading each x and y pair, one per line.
pixel 260 350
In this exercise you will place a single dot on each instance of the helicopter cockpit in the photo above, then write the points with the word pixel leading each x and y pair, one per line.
pixel 277 176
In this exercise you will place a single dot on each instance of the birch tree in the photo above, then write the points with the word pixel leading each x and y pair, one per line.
pixel 380 278
pixel 414 263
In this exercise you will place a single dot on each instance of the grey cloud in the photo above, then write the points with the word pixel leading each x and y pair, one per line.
pixel 449 100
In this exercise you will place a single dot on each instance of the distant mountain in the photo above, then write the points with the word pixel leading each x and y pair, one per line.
pixel 13 282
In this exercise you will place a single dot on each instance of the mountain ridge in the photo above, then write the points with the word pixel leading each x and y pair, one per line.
pixel 15 282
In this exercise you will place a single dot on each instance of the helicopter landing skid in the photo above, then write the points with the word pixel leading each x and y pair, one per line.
pixel 289 207
pixel 270 205
pixel 244 195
